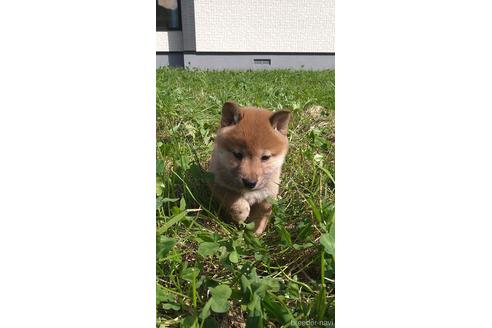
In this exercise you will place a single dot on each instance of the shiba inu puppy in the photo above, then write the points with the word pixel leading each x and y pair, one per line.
pixel 250 148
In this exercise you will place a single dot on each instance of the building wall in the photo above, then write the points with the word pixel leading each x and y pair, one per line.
pixel 169 41
pixel 252 34
pixel 264 26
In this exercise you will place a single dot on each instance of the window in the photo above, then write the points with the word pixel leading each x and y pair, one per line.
pixel 168 15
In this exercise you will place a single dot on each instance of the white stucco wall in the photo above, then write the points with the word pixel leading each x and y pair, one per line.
pixel 265 25
pixel 169 41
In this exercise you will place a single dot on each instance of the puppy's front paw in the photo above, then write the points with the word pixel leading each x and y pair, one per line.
pixel 240 210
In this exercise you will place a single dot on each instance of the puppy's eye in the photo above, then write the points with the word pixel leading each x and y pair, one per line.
pixel 237 155
pixel 265 157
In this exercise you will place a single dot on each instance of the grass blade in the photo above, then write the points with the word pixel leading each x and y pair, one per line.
pixel 172 221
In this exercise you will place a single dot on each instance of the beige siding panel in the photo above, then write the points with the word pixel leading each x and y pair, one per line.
pixel 169 41
pixel 265 25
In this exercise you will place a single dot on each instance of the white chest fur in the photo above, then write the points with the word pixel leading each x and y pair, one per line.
pixel 256 196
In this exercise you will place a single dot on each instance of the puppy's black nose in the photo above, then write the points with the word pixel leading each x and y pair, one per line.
pixel 249 184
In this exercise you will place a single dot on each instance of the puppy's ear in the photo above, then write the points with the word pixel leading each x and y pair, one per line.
pixel 280 121
pixel 231 114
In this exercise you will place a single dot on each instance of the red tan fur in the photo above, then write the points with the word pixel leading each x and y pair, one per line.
pixel 249 151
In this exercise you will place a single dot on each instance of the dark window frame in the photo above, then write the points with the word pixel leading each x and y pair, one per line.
pixel 180 23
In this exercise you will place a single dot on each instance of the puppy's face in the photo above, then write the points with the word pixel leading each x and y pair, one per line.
pixel 250 146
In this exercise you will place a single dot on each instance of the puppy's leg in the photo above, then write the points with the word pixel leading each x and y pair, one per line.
pixel 235 206
pixel 239 210
pixel 260 214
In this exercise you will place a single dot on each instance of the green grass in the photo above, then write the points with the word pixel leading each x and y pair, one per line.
pixel 213 273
